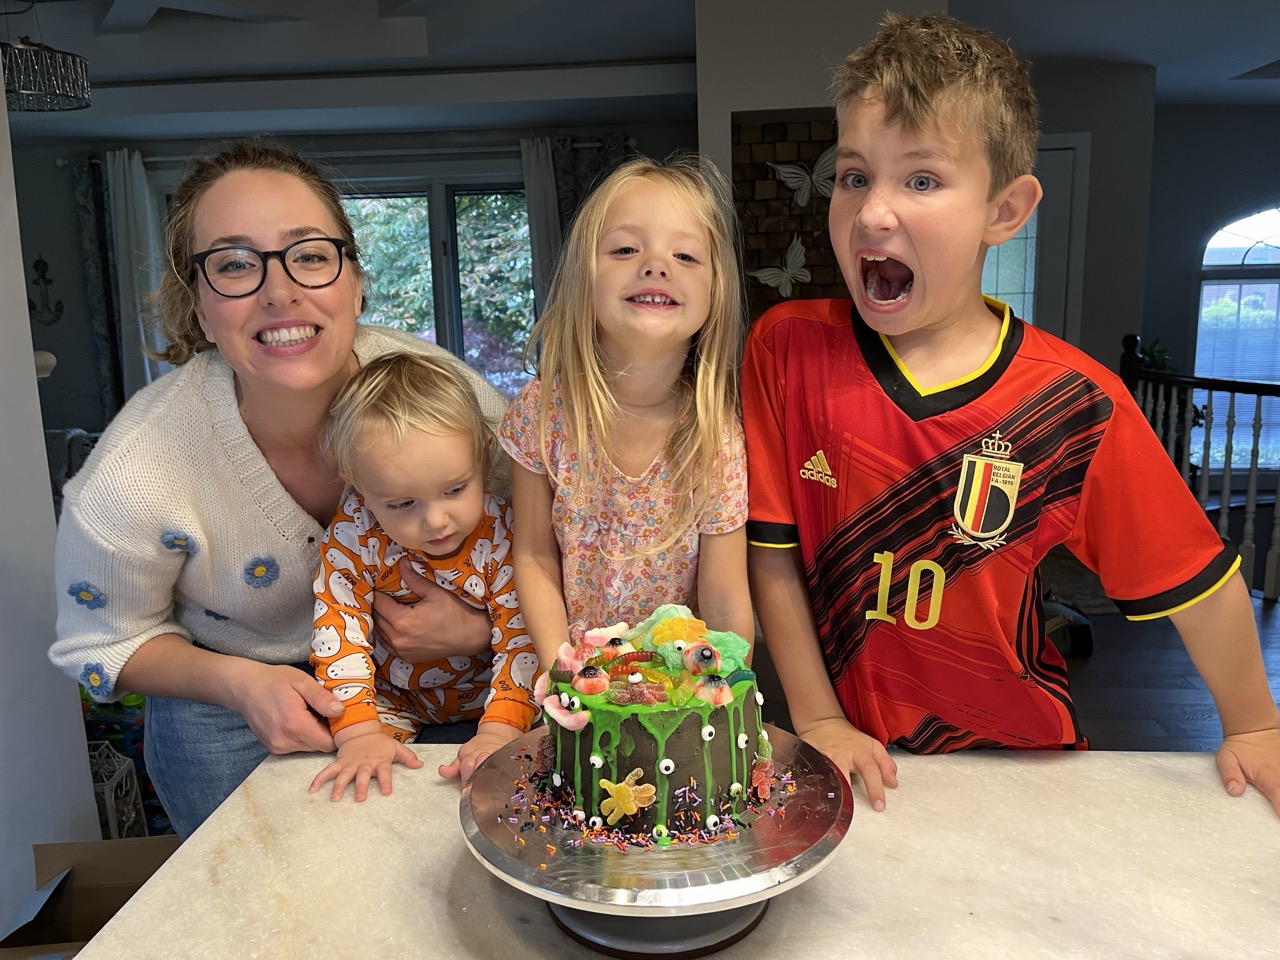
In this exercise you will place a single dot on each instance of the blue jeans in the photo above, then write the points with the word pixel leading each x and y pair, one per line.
pixel 198 753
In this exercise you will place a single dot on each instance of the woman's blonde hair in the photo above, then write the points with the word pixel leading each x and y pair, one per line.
pixel 921 66
pixel 394 394
pixel 173 303
pixel 565 344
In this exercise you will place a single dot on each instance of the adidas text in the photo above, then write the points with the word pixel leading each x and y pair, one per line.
pixel 817 468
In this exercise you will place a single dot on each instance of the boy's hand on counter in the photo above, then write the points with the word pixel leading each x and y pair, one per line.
pixel 1251 758
pixel 856 754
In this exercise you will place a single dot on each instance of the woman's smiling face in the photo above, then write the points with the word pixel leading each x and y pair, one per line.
pixel 284 337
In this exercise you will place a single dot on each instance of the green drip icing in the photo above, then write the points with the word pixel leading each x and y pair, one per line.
pixel 661 724
pixel 611 737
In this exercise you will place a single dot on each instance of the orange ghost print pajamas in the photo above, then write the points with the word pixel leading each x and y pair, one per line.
pixel 357 558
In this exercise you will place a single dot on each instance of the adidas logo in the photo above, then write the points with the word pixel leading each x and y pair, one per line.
pixel 817 468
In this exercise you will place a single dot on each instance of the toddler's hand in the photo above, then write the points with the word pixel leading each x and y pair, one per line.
pixel 856 754
pixel 361 759
pixel 489 738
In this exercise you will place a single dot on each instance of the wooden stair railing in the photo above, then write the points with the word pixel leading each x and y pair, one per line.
pixel 1168 401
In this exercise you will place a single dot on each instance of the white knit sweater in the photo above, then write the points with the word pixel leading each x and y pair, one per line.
pixel 177 524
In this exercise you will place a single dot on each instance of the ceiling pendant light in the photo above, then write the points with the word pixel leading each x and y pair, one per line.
pixel 38 77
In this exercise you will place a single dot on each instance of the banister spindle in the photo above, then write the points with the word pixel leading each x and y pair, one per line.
pixel 1251 496
pixel 1203 493
pixel 1224 496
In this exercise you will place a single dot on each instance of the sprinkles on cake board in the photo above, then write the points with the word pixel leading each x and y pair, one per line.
pixel 538 805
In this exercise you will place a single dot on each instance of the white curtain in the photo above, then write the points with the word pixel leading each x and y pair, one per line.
pixel 544 213
pixel 138 257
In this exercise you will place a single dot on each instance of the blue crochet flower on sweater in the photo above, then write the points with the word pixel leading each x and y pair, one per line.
pixel 87 595
pixel 261 572
pixel 177 540
pixel 94 679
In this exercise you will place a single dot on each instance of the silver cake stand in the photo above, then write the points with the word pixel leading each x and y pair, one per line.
pixel 709 894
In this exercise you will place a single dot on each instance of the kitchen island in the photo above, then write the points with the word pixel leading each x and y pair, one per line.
pixel 986 854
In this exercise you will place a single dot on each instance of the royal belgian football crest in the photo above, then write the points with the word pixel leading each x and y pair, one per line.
pixel 987 494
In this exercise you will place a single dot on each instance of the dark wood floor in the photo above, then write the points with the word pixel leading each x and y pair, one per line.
pixel 1138 690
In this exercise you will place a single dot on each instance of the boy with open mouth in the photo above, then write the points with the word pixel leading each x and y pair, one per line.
pixel 914 452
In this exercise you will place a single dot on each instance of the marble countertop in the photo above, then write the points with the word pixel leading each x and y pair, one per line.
pixel 1007 854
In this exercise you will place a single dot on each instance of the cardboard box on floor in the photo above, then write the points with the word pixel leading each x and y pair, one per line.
pixel 103 875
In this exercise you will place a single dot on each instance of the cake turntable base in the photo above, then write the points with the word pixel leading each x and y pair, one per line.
pixel 708 895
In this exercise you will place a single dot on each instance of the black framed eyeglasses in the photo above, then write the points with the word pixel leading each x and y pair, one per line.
pixel 240 271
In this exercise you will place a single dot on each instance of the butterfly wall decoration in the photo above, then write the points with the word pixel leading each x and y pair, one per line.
pixel 805 182
pixel 786 274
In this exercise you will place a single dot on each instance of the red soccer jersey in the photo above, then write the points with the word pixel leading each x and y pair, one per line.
pixel 922 518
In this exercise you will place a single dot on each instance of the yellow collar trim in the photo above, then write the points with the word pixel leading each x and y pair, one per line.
pixel 1000 309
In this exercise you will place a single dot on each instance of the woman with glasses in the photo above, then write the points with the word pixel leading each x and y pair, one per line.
pixel 188 543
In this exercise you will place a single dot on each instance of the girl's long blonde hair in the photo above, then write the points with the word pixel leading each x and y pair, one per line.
pixel 564 345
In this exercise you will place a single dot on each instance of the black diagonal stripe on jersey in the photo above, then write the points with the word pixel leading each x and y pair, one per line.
pixel 1053 433
pixel 1033 646
pixel 935 735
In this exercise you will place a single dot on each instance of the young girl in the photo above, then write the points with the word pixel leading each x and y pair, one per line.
pixel 407 433
pixel 630 474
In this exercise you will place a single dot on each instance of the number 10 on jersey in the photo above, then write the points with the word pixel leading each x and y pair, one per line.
pixel 911 609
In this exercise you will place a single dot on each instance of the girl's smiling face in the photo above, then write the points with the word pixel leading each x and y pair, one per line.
pixel 284 337
pixel 653 271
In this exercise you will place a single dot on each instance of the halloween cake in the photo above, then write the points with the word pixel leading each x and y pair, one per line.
pixel 655 729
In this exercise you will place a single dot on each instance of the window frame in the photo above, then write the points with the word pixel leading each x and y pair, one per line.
pixel 1239 273
pixel 440 181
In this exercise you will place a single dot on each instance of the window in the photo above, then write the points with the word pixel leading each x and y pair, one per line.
pixel 1239 323
pixel 447 256
pixel 495 283
pixel 1009 272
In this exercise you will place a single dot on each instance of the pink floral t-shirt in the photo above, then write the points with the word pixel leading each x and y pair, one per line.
pixel 602 527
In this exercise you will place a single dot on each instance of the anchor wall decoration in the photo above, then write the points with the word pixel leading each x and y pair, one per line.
pixel 44 313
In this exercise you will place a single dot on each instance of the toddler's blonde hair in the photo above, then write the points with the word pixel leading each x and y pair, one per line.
pixel 394 394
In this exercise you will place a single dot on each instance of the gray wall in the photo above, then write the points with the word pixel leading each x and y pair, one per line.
pixel 45 789
pixel 1211 165
pixel 766 55
pixel 72 396
pixel 1115 103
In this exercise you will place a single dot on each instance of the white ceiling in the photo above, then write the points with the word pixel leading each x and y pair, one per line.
pixel 200 68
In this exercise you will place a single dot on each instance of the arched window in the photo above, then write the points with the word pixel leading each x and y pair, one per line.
pixel 1239 290
pixel 1238 335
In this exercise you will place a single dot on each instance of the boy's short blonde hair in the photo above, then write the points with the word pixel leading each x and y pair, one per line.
pixel 394 394
pixel 924 66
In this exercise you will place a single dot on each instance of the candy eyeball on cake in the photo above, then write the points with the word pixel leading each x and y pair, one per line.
pixel 702 658
pixel 615 647
pixel 590 680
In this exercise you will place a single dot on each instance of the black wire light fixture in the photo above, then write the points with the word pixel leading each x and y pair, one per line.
pixel 38 77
